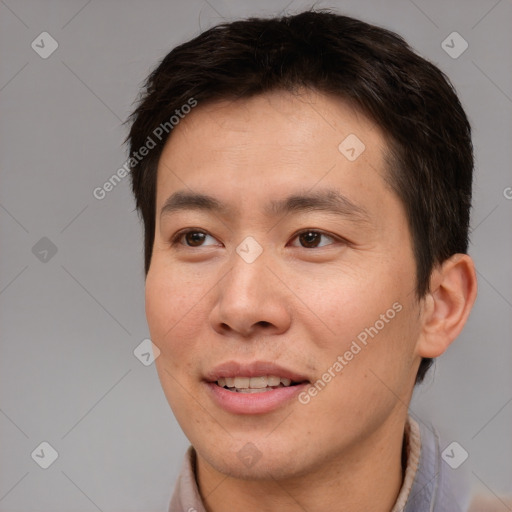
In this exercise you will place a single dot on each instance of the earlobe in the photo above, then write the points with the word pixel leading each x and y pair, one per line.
pixel 453 289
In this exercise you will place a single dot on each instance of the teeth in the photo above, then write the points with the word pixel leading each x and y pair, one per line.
pixel 242 382
pixel 272 380
pixel 258 382
pixel 253 383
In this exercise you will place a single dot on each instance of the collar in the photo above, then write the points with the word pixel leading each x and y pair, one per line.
pixel 412 451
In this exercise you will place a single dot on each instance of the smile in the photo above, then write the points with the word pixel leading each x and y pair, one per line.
pixel 259 384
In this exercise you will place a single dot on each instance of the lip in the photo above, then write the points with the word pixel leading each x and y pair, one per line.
pixel 253 403
pixel 252 369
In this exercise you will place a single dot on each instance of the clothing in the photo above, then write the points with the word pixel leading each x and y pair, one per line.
pixel 429 485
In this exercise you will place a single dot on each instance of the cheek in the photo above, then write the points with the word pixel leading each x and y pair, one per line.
pixel 370 314
pixel 173 306
pixel 347 302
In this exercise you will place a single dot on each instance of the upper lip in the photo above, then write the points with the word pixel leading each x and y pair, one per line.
pixel 252 369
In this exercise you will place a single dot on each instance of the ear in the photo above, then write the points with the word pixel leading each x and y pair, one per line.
pixel 447 305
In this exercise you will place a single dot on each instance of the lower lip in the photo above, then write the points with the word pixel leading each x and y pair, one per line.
pixel 253 403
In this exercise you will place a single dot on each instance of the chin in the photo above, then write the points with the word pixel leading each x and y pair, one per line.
pixel 243 460
pixel 263 470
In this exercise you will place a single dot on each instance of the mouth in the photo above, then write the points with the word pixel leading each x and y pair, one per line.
pixel 259 384
pixel 257 387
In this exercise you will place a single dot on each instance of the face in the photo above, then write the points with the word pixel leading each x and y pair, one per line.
pixel 298 266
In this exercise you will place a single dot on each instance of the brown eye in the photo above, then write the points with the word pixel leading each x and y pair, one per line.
pixel 191 238
pixel 194 238
pixel 311 239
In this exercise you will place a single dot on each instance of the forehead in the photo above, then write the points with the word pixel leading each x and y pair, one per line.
pixel 296 116
pixel 278 141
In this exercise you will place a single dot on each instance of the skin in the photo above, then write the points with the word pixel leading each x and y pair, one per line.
pixel 299 304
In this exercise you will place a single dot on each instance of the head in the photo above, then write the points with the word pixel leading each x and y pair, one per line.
pixel 258 114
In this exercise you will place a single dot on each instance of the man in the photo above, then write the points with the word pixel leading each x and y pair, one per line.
pixel 306 232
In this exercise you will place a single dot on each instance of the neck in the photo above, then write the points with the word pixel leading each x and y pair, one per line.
pixel 367 477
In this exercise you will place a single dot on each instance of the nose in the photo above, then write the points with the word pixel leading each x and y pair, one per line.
pixel 251 300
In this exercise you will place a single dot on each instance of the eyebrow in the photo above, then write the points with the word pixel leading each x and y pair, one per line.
pixel 327 200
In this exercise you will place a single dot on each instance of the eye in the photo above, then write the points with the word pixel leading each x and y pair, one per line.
pixel 192 238
pixel 310 238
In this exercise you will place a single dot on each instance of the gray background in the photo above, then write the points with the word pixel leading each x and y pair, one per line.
pixel 69 325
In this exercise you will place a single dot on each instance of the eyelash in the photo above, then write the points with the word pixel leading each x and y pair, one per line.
pixel 178 236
